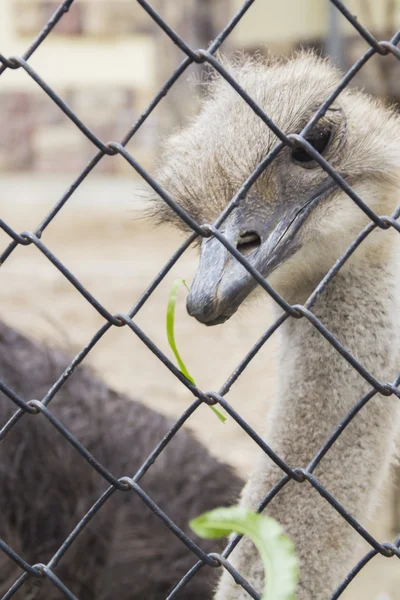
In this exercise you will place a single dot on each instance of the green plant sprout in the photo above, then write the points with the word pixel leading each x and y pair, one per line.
pixel 173 295
pixel 276 549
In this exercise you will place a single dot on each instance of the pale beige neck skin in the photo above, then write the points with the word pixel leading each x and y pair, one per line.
pixel 317 388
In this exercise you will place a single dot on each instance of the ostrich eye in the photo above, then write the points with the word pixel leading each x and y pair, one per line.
pixel 318 140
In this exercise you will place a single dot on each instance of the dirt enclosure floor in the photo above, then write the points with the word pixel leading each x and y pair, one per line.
pixel 116 255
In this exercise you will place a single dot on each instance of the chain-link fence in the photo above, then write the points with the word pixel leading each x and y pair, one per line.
pixel 132 483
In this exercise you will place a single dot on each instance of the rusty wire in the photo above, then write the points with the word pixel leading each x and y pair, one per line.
pixel 132 483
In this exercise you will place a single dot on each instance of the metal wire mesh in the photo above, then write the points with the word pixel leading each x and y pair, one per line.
pixel 35 407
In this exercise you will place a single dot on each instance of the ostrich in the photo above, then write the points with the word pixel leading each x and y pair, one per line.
pixel 292 226
pixel 125 552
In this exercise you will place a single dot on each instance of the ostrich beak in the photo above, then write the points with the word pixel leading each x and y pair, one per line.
pixel 222 283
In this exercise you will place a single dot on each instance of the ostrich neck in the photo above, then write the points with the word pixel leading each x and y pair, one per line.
pixel 317 387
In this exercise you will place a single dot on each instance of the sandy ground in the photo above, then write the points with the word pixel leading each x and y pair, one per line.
pixel 116 255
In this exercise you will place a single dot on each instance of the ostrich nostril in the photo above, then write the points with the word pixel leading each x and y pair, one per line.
pixel 248 243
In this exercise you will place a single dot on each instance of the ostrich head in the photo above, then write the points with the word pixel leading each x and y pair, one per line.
pixel 294 222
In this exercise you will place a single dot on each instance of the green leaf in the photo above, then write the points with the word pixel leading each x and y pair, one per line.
pixel 173 295
pixel 276 549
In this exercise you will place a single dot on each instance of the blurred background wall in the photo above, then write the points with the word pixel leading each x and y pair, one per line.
pixel 107 59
